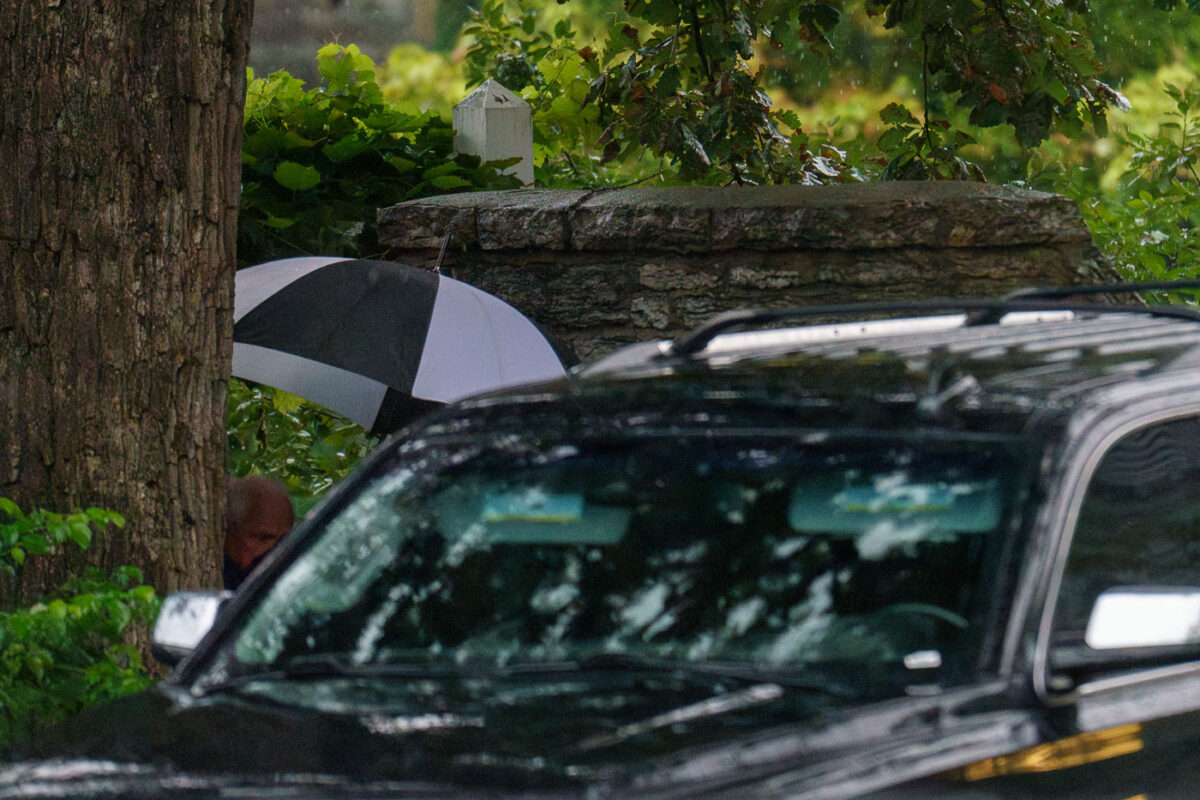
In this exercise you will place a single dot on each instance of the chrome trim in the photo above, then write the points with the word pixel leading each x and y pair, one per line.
pixel 1134 678
pixel 753 340
pixel 809 334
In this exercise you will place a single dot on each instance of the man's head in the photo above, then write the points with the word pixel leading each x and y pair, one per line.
pixel 259 514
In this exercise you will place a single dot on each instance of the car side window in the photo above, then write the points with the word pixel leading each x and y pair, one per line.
pixel 1138 526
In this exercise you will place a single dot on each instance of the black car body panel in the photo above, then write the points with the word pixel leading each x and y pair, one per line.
pixel 984 475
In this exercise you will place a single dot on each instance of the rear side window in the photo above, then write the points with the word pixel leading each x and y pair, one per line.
pixel 1138 528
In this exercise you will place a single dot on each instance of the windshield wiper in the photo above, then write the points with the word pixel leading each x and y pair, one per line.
pixel 327 665
pixel 793 677
pixel 333 665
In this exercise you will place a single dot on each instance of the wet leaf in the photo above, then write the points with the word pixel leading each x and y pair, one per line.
pixel 296 177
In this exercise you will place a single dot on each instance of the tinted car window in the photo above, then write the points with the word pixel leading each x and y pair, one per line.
pixel 1138 526
pixel 699 549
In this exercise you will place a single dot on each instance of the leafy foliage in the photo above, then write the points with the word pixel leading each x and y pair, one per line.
pixel 275 433
pixel 1026 63
pixel 553 73
pixel 1148 227
pixel 45 532
pixel 670 94
pixel 72 649
pixel 318 163
pixel 684 84
pixel 923 150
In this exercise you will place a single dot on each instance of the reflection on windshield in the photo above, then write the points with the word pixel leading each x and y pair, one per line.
pixel 689 549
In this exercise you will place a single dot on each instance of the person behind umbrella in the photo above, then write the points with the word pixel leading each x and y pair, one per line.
pixel 259 514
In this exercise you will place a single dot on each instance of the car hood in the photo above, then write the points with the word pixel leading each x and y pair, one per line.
pixel 164 743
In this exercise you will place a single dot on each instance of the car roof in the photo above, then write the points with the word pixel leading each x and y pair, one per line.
pixel 1003 366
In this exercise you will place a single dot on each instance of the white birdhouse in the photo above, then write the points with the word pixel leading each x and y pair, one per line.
pixel 493 123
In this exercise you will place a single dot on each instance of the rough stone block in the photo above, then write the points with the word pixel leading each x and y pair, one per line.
pixel 650 312
pixel 760 277
pixel 693 311
pixel 518 220
pixel 671 276
pixel 600 228
pixel 589 295
pixel 413 227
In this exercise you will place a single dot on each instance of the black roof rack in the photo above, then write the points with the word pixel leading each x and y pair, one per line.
pixel 1055 292
pixel 978 312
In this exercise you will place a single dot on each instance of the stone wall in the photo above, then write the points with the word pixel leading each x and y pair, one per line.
pixel 604 268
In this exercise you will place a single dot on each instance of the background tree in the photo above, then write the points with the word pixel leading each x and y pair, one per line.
pixel 715 90
pixel 120 130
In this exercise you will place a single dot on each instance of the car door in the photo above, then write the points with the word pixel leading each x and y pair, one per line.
pixel 1120 640
pixel 1118 666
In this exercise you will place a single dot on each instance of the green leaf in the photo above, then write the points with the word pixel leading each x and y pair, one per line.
pixel 441 169
pixel 393 121
pixel 1055 89
pixel 10 508
pixel 449 182
pixel 346 148
pixel 285 402
pixel 669 82
pixel 37 545
pixel 891 140
pixel 401 164
pixel 143 594
pixel 272 142
pixel 897 114
pixel 119 613
pixel 126 576
pixel 1099 119
pixel 279 223
pixel 81 534
pixel 296 177
pixel 57 528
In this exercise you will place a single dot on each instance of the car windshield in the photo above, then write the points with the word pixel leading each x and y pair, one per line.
pixel 765 552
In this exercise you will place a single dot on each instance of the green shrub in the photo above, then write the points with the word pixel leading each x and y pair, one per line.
pixel 1146 225
pixel 275 433
pixel 71 649
pixel 318 163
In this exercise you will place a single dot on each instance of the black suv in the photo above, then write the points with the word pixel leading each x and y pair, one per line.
pixel 949 550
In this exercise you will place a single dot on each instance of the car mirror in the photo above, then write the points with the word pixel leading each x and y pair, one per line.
pixel 1139 616
pixel 182 622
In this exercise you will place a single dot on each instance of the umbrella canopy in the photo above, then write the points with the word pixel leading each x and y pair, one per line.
pixel 379 341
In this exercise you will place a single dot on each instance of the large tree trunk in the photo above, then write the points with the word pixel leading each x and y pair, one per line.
pixel 120 137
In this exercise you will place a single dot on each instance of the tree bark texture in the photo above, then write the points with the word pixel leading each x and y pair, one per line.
pixel 120 138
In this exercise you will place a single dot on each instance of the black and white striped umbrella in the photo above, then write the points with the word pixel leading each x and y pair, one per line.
pixel 378 341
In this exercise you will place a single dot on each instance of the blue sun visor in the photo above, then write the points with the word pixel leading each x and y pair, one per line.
pixel 851 504
pixel 529 515
pixel 532 506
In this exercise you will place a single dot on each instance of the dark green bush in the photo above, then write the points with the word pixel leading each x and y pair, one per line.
pixel 318 163
pixel 275 433
pixel 1145 226
pixel 73 648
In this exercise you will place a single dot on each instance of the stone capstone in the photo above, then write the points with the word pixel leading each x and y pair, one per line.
pixel 608 267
